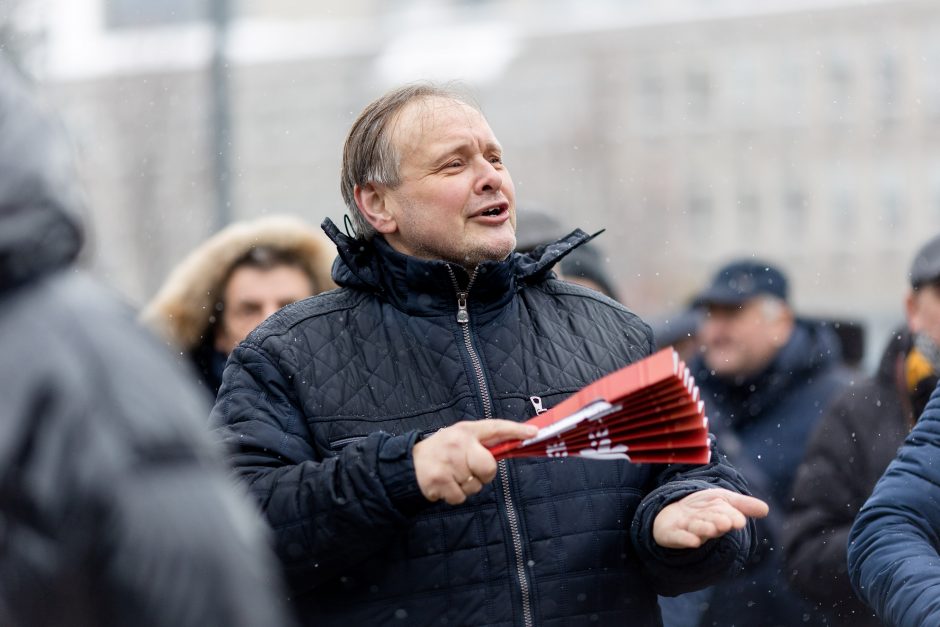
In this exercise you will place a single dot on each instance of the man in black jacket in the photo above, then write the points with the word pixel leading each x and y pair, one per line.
pixel 359 418
pixel 115 509
pixel 853 445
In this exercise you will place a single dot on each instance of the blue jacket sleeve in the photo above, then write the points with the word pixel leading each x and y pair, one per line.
pixel 327 512
pixel 675 571
pixel 893 546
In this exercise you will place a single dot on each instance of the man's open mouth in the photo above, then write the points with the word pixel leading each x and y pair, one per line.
pixel 494 211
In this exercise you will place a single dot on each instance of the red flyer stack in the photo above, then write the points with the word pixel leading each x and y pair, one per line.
pixel 648 412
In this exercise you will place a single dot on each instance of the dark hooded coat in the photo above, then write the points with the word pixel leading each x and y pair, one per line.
pixel 847 454
pixel 114 509
pixel 325 400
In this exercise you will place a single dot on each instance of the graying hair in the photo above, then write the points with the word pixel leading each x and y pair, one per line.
pixel 369 156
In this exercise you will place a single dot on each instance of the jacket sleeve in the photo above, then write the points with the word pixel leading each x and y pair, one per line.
pixel 674 571
pixel 893 545
pixel 327 513
pixel 825 500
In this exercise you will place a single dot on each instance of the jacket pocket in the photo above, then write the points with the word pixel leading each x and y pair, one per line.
pixel 340 443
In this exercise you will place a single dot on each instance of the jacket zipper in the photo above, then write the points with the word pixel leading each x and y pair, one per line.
pixel 463 318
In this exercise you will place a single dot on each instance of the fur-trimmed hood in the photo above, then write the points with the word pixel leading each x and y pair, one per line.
pixel 183 308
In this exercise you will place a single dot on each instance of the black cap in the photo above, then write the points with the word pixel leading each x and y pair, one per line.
pixel 740 281
pixel 926 266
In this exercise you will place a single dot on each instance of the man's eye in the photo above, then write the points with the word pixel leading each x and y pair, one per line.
pixel 454 164
pixel 496 159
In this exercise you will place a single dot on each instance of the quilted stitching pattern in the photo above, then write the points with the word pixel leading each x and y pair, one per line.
pixel 351 366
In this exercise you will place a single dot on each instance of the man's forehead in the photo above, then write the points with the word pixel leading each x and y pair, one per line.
pixel 434 120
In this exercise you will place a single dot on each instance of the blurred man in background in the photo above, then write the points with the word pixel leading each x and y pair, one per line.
pixel 854 443
pixel 679 329
pixel 115 509
pixel 766 377
pixel 233 282
pixel 585 265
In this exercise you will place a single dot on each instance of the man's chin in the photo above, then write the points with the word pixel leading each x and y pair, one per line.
pixel 722 366
pixel 490 251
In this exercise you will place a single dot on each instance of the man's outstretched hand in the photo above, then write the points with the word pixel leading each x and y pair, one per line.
pixel 703 515
pixel 454 463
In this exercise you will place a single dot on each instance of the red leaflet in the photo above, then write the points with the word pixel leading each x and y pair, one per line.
pixel 647 412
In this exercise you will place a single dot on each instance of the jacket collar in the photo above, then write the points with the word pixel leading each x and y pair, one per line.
pixel 424 287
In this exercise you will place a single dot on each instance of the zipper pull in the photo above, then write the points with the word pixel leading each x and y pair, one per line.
pixel 463 314
pixel 537 404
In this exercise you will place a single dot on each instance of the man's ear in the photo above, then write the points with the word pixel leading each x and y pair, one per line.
pixel 371 202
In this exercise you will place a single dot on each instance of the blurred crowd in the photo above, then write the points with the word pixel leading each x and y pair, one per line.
pixel 362 492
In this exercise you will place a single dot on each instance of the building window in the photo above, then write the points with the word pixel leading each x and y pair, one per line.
pixel 652 102
pixel 888 86
pixel 844 219
pixel 743 92
pixel 892 202
pixel 794 209
pixel 698 92
pixel 749 217
pixel 700 210
pixel 140 13
pixel 791 89
pixel 839 88
pixel 931 78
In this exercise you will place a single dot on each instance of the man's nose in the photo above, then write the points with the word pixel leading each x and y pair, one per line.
pixel 489 178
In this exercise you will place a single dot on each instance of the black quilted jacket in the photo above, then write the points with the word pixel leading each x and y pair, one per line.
pixel 323 403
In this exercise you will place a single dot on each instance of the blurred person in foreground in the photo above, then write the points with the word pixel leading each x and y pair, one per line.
pixel 115 508
pixel 359 418
pixel 232 282
pixel 766 377
pixel 893 559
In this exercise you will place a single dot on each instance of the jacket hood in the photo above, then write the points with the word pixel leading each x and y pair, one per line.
pixel 185 306
pixel 40 200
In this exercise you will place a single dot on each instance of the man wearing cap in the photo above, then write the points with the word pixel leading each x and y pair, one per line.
pixel 855 441
pixel 766 377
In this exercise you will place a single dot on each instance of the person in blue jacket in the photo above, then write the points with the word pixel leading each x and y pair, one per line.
pixel 359 418
pixel 893 558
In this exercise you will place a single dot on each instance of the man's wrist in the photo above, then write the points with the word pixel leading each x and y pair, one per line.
pixel 397 473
